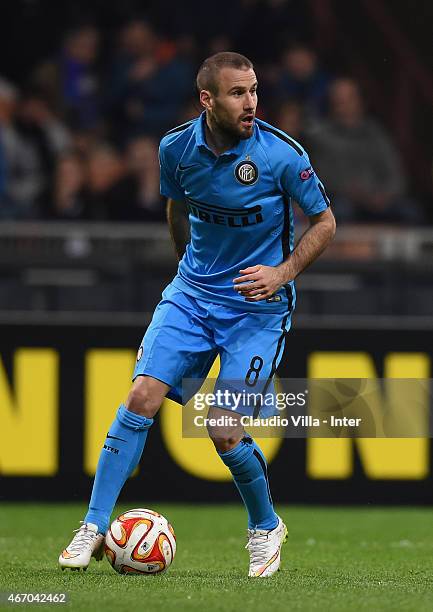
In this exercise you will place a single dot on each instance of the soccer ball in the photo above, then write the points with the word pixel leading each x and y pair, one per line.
pixel 140 541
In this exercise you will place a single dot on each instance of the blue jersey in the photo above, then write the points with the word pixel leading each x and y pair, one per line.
pixel 239 208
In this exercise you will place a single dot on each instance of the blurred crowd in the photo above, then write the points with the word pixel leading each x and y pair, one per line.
pixel 79 139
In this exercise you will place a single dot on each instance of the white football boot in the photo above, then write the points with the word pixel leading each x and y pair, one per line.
pixel 86 543
pixel 265 550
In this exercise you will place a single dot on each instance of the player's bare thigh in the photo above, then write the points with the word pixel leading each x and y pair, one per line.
pixel 225 437
pixel 146 396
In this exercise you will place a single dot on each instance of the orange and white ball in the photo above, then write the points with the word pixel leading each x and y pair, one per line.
pixel 140 541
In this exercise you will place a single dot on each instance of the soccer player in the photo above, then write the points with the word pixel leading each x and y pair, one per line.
pixel 229 179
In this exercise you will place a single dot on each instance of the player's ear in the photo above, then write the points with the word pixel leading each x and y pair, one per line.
pixel 206 99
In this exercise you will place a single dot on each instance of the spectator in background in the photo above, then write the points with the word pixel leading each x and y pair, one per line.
pixel 142 157
pixel 301 78
pixel 288 117
pixel 219 43
pixel 358 163
pixel 7 99
pixel 44 134
pixel 261 27
pixel 111 190
pixel 190 110
pixel 35 115
pixel 84 141
pixel 21 175
pixel 72 83
pixel 68 196
pixel 145 75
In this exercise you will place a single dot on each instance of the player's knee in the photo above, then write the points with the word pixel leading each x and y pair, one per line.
pixel 142 401
pixel 225 437
pixel 226 443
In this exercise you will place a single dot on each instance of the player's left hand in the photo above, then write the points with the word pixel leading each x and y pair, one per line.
pixel 259 282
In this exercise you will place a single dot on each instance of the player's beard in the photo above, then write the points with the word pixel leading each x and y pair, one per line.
pixel 232 129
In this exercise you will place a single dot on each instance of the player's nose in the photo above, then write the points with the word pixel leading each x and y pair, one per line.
pixel 249 102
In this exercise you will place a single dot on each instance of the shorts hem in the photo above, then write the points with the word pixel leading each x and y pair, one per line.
pixel 152 375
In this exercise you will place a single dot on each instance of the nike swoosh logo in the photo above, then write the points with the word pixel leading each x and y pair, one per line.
pixel 182 168
pixel 115 438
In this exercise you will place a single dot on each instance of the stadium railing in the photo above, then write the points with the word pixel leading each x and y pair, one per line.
pixel 70 270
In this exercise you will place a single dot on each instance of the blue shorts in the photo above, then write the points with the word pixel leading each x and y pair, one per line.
pixel 186 334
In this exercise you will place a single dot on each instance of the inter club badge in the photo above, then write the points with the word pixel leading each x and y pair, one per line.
pixel 246 172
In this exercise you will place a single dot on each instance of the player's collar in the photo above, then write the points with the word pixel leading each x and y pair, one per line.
pixel 200 138
pixel 199 130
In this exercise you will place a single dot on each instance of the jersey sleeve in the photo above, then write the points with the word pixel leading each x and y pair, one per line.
pixel 169 187
pixel 298 180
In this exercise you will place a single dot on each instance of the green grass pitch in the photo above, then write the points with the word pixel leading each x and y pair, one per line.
pixel 335 559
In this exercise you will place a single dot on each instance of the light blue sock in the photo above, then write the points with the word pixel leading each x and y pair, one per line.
pixel 120 454
pixel 249 469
